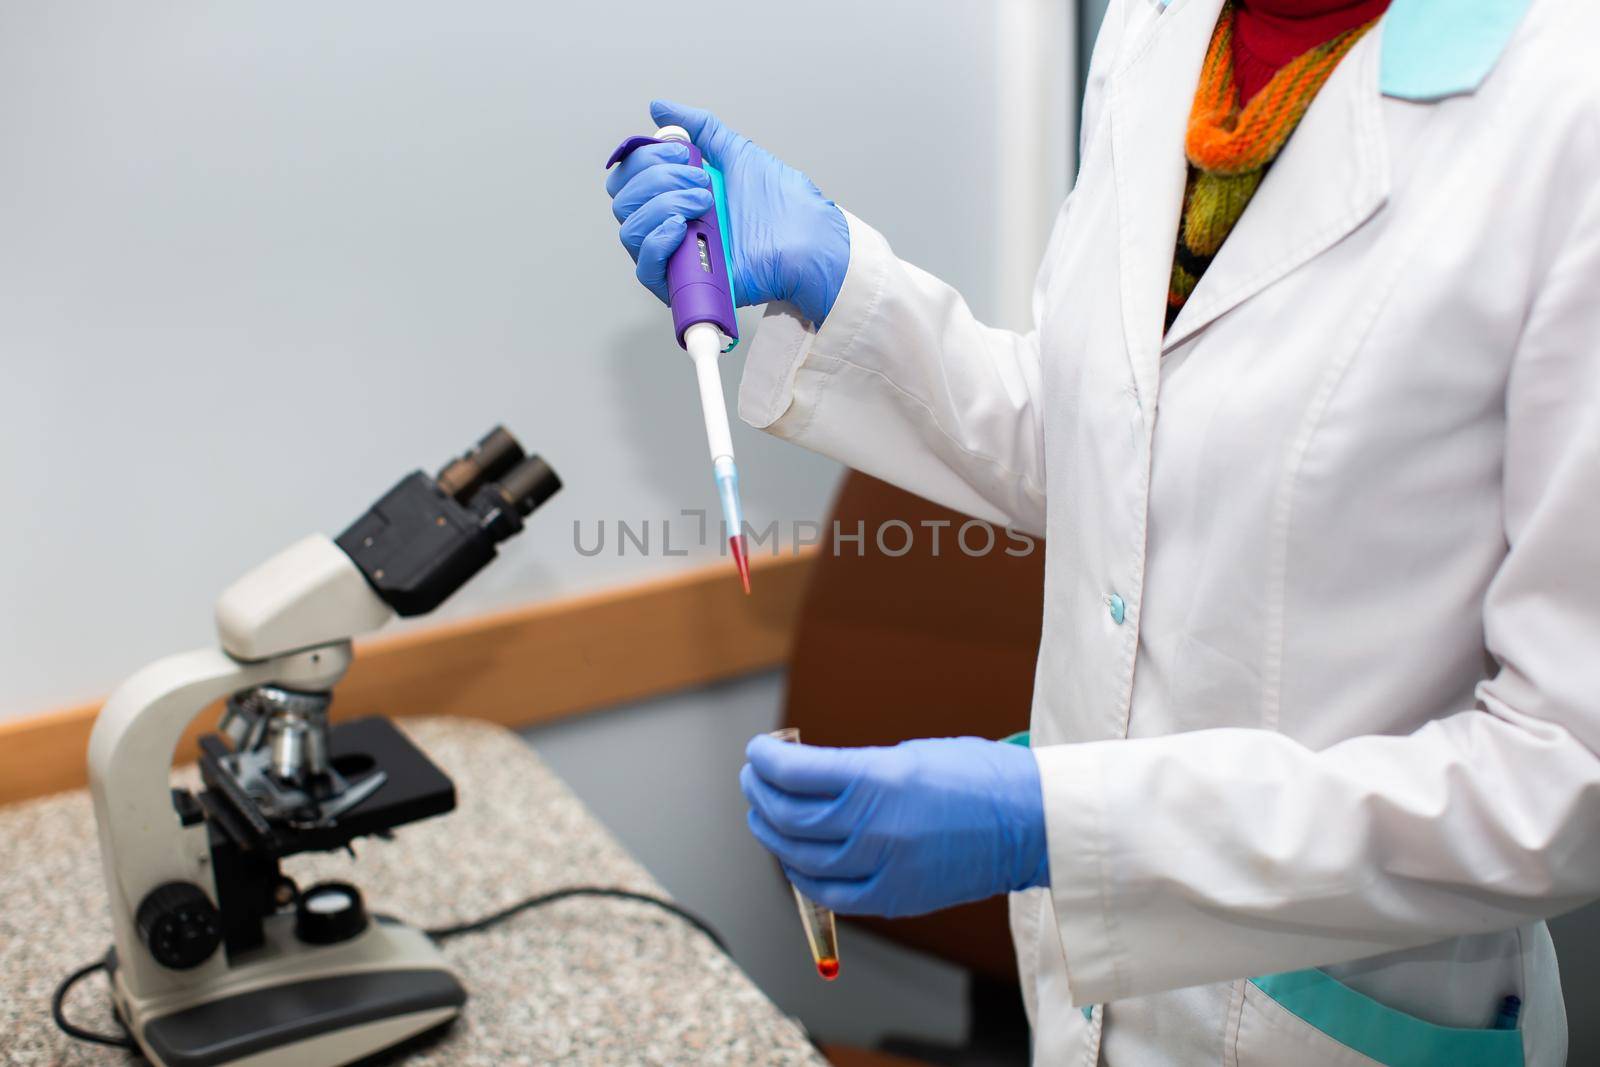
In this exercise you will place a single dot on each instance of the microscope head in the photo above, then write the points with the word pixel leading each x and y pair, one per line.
pixel 410 551
pixel 428 536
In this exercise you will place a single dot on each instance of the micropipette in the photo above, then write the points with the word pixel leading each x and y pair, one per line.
pixel 822 933
pixel 700 291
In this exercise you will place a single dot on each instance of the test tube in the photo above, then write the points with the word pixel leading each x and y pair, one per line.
pixel 822 933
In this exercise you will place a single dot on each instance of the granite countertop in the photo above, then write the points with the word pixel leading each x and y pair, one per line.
pixel 581 981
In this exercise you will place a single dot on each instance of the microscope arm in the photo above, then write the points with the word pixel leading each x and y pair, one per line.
pixel 141 843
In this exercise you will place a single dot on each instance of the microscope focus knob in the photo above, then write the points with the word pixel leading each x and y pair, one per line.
pixel 179 925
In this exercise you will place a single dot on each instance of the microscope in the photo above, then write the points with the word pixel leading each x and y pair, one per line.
pixel 220 958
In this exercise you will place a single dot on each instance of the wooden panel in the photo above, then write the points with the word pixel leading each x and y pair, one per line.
pixel 517 667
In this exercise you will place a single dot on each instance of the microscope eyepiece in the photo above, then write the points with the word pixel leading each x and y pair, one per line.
pixel 529 484
pixel 494 454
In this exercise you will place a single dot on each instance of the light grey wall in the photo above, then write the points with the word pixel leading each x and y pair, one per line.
pixel 664 776
pixel 258 259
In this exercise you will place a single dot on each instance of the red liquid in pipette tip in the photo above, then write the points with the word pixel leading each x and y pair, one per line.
pixel 828 967
pixel 742 561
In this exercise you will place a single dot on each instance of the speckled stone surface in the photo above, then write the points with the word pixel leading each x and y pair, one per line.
pixel 582 981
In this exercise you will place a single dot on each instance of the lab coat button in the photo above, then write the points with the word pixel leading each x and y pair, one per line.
pixel 1119 610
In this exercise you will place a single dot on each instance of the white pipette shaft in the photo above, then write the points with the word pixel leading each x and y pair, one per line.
pixel 704 342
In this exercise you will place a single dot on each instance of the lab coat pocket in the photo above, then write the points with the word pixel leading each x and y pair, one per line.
pixel 1308 1019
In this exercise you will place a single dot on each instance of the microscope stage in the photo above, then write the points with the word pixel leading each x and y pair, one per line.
pixel 413 789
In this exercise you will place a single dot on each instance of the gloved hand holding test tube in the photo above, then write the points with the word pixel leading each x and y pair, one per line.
pixel 822 933
pixel 700 292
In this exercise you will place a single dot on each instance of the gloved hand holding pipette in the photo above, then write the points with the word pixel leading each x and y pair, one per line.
pixel 788 241
pixel 674 200
pixel 899 831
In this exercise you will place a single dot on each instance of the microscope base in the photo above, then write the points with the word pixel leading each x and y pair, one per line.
pixel 300 1005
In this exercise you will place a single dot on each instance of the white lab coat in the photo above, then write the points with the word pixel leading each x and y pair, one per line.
pixel 1320 671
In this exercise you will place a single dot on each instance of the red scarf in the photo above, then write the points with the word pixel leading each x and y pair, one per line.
pixel 1267 34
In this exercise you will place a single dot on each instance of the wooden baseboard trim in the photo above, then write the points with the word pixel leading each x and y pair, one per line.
pixel 518 667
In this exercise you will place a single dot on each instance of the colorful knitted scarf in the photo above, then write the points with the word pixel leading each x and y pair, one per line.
pixel 1230 148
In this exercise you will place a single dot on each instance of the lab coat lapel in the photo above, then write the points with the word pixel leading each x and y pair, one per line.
pixel 1330 177
pixel 1149 100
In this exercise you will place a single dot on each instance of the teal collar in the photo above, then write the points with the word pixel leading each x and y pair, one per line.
pixel 1438 48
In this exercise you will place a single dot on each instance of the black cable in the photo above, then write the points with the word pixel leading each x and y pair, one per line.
pixel 58 1012
pixel 441 933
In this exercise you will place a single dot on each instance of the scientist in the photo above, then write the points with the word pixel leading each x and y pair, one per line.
pixel 1309 418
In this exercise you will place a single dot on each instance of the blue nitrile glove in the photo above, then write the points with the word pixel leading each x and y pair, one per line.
pixel 899 831
pixel 789 242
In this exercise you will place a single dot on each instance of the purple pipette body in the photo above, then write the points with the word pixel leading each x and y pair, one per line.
pixel 697 273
